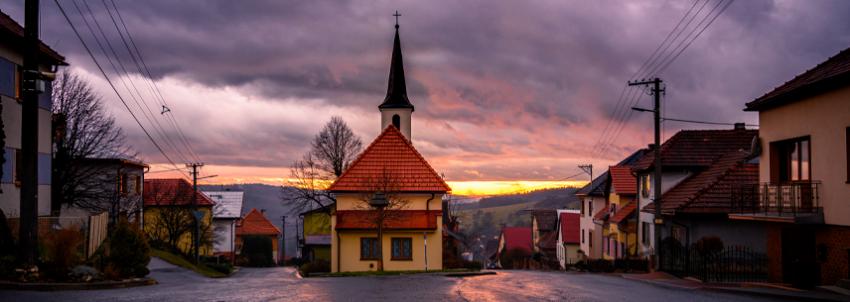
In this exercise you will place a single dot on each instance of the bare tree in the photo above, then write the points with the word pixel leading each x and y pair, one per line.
pixel 332 151
pixel 336 146
pixel 82 129
pixel 384 185
pixel 174 218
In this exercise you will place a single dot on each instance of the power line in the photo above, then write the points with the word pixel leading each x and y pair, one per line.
pixel 100 68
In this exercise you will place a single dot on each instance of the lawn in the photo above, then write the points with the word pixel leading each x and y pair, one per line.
pixel 185 263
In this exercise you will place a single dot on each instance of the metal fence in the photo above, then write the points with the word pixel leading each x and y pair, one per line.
pixel 781 199
pixel 731 264
pixel 92 228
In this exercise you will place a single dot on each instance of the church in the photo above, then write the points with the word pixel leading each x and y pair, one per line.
pixel 388 213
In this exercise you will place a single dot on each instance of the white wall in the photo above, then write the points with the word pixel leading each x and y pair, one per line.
pixel 587 225
pixel 224 236
pixel 669 179
pixel 404 115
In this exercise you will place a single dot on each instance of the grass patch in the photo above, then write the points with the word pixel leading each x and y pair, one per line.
pixel 390 273
pixel 185 263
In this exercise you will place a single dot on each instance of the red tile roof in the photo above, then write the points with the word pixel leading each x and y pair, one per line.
pixel 517 238
pixel 14 33
pixel 830 74
pixel 172 191
pixel 710 191
pixel 397 220
pixel 602 214
pixel 390 158
pixel 622 180
pixel 570 227
pixel 624 212
pixel 255 223
pixel 698 148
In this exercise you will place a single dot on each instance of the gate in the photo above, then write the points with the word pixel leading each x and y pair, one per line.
pixel 733 263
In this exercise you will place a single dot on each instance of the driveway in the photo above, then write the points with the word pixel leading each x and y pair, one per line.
pixel 280 284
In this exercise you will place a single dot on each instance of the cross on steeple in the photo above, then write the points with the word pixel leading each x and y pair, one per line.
pixel 396 18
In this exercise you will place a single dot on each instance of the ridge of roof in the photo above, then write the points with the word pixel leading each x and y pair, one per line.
pixel 256 223
pixel 596 187
pixel 698 148
pixel 833 69
pixel 15 29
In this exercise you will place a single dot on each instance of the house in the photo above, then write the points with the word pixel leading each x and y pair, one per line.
pixel 169 204
pixel 226 212
pixel 315 241
pixel 569 248
pixel 255 223
pixel 618 218
pixel 593 198
pixel 544 236
pixel 388 212
pixel 11 70
pixel 515 248
pixel 112 185
pixel 804 175
pixel 686 153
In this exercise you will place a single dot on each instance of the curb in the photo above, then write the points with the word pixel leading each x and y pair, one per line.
pixel 470 274
pixel 802 296
pixel 663 284
pixel 6 285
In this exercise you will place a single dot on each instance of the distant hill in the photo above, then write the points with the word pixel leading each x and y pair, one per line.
pixel 557 198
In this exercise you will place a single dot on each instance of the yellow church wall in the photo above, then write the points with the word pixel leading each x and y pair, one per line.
pixel 411 201
pixel 151 216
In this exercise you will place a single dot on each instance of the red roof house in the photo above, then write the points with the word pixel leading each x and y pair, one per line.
pixel 516 238
pixel 256 223
pixel 570 228
pixel 173 191
pixel 622 180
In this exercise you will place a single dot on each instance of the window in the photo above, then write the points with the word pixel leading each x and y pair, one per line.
pixel 369 249
pixel 644 232
pixel 645 184
pixel 791 160
pixel 402 249
pixel 590 234
pixel 582 209
pixel 8 78
pixel 589 208
pixel 397 121
pixel 582 235
pixel 19 166
pixel 122 183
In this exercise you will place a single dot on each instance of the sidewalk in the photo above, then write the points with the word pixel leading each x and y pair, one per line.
pixel 764 290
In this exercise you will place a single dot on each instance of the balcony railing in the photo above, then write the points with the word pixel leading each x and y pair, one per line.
pixel 787 199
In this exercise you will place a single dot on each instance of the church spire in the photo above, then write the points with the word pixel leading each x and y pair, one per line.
pixel 396 88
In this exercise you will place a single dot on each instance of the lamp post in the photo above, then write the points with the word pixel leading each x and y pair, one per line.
pixel 379 201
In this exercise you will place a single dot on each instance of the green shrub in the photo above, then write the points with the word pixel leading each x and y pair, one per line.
pixel 257 251
pixel 221 267
pixel 129 253
pixel 317 266
pixel 61 252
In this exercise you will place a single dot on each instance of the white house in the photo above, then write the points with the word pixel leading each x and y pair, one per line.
pixel 568 237
pixel 227 210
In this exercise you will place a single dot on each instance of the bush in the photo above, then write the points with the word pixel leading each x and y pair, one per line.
pixel 222 267
pixel 129 253
pixel 257 251
pixel 596 265
pixel 7 241
pixel 709 245
pixel 62 251
pixel 317 266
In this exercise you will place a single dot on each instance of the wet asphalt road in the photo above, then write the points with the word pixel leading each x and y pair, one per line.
pixel 280 284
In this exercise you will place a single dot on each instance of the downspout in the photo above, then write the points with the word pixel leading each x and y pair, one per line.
pixel 424 234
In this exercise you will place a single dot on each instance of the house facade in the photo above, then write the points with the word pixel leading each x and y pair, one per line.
pixel 168 206
pixel 11 69
pixel 618 218
pixel 569 226
pixel 544 236
pixel 515 245
pixel 255 223
pixel 388 212
pixel 803 195
pixel 315 239
pixel 226 212
pixel 114 186
pixel 592 198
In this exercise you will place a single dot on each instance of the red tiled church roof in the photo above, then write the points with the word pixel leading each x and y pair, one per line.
pixel 710 191
pixel 255 223
pixel 570 227
pixel 397 220
pixel 172 191
pixel 622 180
pixel 832 73
pixel 699 148
pixel 517 238
pixel 391 158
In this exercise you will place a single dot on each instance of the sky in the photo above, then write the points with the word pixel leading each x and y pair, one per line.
pixel 508 94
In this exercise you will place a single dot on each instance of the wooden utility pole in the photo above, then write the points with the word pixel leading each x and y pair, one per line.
pixel 656 150
pixel 282 254
pixel 28 232
pixel 197 215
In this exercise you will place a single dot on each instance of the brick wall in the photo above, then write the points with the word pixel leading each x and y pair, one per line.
pixel 833 243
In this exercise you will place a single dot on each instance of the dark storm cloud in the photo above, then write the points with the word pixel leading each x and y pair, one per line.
pixel 490 79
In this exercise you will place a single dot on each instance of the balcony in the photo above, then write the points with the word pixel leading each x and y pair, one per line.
pixel 797 202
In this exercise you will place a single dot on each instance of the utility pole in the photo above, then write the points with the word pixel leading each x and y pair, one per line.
pixel 196 240
pixel 282 253
pixel 656 150
pixel 28 232
pixel 588 168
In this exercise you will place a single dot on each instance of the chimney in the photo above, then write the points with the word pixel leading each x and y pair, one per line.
pixel 740 126
pixel 263 211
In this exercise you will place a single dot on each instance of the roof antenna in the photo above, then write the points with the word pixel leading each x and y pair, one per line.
pixel 164 110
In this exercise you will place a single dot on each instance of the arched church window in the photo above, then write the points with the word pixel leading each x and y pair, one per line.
pixel 397 121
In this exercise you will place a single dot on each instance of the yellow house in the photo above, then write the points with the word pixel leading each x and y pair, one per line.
pixel 619 223
pixel 168 212
pixel 388 209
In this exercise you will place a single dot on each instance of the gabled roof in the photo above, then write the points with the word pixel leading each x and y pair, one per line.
pixel 172 192
pixel 255 223
pixel 547 220
pixel 391 158
pixel 517 238
pixel 570 227
pixel 13 32
pixel 228 204
pixel 830 74
pixel 396 87
pixel 602 214
pixel 624 213
pixel 710 191
pixel 698 148
pixel 622 180
pixel 597 186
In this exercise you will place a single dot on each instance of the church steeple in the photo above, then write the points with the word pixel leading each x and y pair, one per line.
pixel 396 108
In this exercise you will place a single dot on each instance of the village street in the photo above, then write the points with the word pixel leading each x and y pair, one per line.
pixel 280 284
